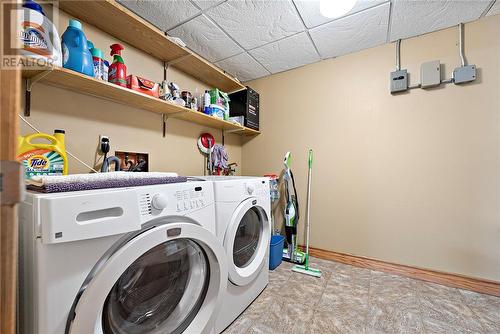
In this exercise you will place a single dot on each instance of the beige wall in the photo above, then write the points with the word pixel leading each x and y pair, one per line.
pixel 412 179
pixel 84 118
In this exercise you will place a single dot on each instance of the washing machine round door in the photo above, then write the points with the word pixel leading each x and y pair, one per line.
pixel 247 240
pixel 169 278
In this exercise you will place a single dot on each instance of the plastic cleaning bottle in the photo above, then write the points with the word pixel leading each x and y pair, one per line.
pixel 206 102
pixel 196 100
pixel 117 73
pixel 38 34
pixel 76 55
pixel 105 69
pixel 43 158
pixel 97 56
pixel 100 64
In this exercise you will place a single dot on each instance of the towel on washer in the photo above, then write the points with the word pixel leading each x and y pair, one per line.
pixel 78 182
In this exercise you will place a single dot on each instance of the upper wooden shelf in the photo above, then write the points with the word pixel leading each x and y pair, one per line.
pixel 249 132
pixel 118 21
pixel 81 83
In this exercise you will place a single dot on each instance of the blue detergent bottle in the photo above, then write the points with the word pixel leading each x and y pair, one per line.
pixel 76 55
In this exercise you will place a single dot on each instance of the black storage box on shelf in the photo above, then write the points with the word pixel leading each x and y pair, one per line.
pixel 245 103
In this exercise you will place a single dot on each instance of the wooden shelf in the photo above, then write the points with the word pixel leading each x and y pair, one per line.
pixel 249 132
pixel 68 79
pixel 118 21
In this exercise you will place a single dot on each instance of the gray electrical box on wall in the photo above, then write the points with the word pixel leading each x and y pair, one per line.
pixel 464 74
pixel 430 74
pixel 399 81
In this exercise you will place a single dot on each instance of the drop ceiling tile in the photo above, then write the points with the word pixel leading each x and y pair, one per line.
pixel 204 4
pixel 413 18
pixel 243 67
pixel 352 33
pixel 309 10
pixel 287 53
pixel 204 37
pixel 163 14
pixel 495 9
pixel 253 23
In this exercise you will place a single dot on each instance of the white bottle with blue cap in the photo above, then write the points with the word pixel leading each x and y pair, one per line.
pixel 38 35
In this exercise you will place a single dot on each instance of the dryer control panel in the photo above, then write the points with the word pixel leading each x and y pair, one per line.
pixel 234 189
pixel 256 188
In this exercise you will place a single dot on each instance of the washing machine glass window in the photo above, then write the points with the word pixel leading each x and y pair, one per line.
pixel 246 240
pixel 161 292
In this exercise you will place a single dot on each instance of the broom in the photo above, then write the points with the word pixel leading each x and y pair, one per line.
pixel 304 269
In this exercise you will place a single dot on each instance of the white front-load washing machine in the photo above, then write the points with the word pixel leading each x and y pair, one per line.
pixel 115 261
pixel 243 225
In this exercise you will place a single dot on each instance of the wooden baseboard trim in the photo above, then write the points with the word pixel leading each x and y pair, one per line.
pixel 452 280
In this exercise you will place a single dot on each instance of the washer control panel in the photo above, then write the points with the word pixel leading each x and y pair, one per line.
pixel 174 199
pixel 188 199
pixel 145 207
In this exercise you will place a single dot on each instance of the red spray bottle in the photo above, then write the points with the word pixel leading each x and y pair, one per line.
pixel 117 70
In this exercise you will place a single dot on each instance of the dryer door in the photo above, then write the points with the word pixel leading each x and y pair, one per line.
pixel 247 240
pixel 166 279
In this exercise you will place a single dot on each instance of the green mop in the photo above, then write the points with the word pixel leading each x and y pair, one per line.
pixel 304 269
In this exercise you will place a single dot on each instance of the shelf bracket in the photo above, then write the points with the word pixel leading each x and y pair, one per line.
pixel 165 118
pixel 29 86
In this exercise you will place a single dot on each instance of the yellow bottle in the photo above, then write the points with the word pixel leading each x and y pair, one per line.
pixel 43 158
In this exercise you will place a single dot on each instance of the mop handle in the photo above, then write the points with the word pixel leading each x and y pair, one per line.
pixel 309 181
pixel 209 157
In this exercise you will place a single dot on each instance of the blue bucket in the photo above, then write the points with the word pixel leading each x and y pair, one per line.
pixel 276 251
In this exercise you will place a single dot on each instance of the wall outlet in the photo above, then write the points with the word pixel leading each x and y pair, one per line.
pixel 399 81
pixel 103 144
pixel 430 74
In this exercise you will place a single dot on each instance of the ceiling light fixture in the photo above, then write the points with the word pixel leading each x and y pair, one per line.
pixel 335 8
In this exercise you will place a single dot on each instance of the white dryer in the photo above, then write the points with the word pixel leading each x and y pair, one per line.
pixel 129 260
pixel 243 225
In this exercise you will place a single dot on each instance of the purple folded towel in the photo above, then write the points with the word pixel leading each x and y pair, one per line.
pixel 74 184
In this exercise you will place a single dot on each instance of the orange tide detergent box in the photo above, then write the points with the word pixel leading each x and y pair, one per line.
pixel 47 158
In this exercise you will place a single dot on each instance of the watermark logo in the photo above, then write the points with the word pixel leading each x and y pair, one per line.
pixel 30 39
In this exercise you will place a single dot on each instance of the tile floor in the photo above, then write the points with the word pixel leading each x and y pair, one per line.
pixel 348 299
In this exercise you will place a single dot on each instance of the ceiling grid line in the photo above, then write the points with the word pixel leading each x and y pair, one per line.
pixel 235 41
pixel 202 11
pixel 258 47
pixel 391 5
pixel 209 7
pixel 492 2
pixel 349 14
pixel 306 29
pixel 184 21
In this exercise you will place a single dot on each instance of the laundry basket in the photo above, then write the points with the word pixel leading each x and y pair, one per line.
pixel 276 251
